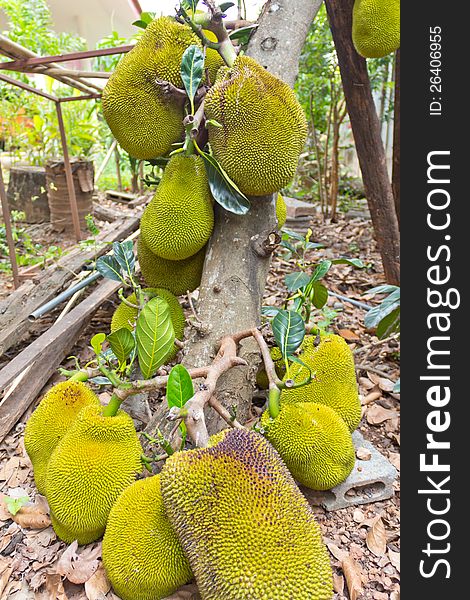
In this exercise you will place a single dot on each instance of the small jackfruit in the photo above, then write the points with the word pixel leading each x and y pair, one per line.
pixel 261 377
pixel 177 276
pixel 263 127
pixel 144 121
pixel 331 361
pixel 93 463
pixel 142 556
pixel 281 211
pixel 376 27
pixel 51 420
pixel 313 441
pixel 179 220
pixel 245 527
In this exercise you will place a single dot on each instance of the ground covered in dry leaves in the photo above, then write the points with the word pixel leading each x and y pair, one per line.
pixel 363 541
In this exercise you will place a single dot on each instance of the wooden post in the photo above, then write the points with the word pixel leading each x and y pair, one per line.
pixel 68 175
pixel 367 136
pixel 396 139
pixel 9 233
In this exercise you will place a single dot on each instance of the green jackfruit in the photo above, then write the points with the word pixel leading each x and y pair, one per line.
pixel 245 527
pixel 144 121
pixel 179 220
pixel 141 553
pixel 263 127
pixel 376 27
pixel 331 360
pixel 281 211
pixel 93 463
pixel 313 441
pixel 177 276
pixel 261 377
pixel 51 420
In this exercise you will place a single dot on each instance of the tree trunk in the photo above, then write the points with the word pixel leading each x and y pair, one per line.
pixel 366 130
pixel 238 254
pixel 396 139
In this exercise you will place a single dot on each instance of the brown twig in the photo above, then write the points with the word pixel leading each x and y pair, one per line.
pixel 371 369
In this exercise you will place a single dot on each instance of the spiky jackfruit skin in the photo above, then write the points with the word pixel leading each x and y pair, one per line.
pixel 93 463
pixel 281 211
pixel 244 525
pixel 331 360
pixel 142 118
pixel 142 556
pixel 179 220
pixel 50 422
pixel 376 27
pixel 313 441
pixel 261 377
pixel 263 127
pixel 177 276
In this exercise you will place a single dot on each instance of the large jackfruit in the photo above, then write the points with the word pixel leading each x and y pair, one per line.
pixel 144 121
pixel 177 276
pixel 376 27
pixel 142 556
pixel 263 127
pixel 244 525
pixel 179 220
pixel 51 420
pixel 94 462
pixel 331 360
pixel 314 442
pixel 281 211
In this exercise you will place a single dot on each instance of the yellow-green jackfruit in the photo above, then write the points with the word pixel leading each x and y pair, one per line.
pixel 142 556
pixel 177 276
pixel 281 211
pixel 263 127
pixel 51 420
pixel 332 362
pixel 376 27
pixel 313 441
pixel 179 220
pixel 261 377
pixel 142 118
pixel 246 529
pixel 93 463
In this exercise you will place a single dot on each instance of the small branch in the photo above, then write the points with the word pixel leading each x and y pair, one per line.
pixel 370 369
pixel 224 413
pixel 191 306
pixel 171 91
pixel 125 300
pixel 192 123
pixel 375 344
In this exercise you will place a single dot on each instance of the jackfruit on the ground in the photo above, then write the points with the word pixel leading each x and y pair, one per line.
pixel 262 378
pixel 177 276
pixel 281 211
pixel 179 220
pixel 376 27
pixel 331 361
pixel 51 420
pixel 246 529
pixel 142 556
pixel 144 121
pixel 263 127
pixel 313 441
pixel 93 463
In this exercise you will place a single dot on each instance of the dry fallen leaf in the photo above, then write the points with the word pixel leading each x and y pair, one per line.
pixel 352 574
pixel 384 384
pixel 6 569
pixel 349 335
pixel 54 587
pixel 378 414
pixel 358 515
pixel 394 559
pixel 337 552
pixel 187 592
pixel 394 458
pixel 32 517
pixel 78 568
pixel 338 583
pixel 376 538
pixel 363 453
pixel 372 397
pixel 98 585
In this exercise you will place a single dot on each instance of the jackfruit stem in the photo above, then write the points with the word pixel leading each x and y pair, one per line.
pixel 273 402
pixel 79 376
pixel 112 408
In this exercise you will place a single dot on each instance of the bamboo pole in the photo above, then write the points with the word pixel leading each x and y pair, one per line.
pixel 8 230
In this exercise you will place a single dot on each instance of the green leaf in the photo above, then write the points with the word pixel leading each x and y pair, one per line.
pixel 109 267
pixel 381 289
pixel 97 342
pixel 289 331
pixel 15 504
pixel 296 280
pixel 313 245
pixel 189 5
pixel 179 388
pixel 192 70
pixel 226 5
pixel 321 270
pixel 376 314
pixel 145 19
pixel 213 122
pixel 389 324
pixel 124 254
pixel 288 233
pixel 354 262
pixel 155 336
pixel 224 191
pixel 270 311
pixel 100 380
pixel 320 295
pixel 396 387
pixel 243 33
pixel 122 343
pixel 140 23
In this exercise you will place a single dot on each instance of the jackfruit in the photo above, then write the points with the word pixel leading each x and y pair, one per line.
pixel 144 121
pixel 177 276
pixel 261 377
pixel 93 463
pixel 376 27
pixel 334 385
pixel 245 527
pixel 313 441
pixel 263 127
pixel 142 556
pixel 179 219
pixel 51 420
pixel 281 211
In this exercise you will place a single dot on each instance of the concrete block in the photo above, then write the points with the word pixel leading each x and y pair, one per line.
pixel 370 481
pixel 299 208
